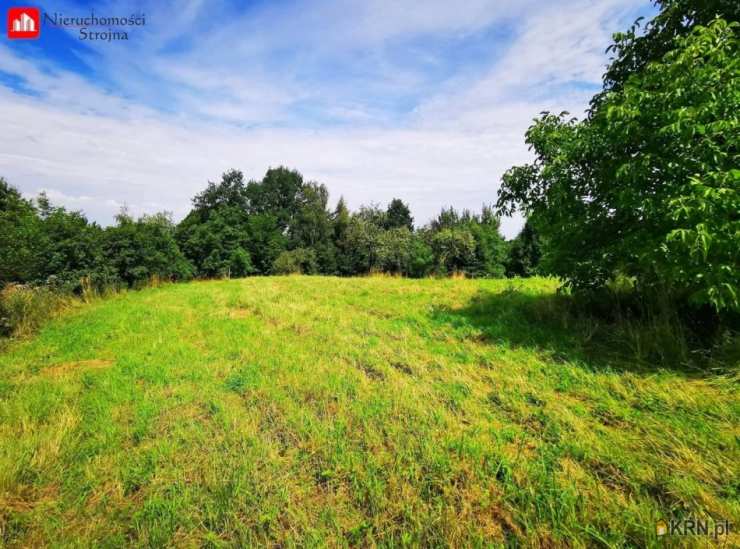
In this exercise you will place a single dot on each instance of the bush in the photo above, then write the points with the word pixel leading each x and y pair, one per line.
pixel 24 308
pixel 298 261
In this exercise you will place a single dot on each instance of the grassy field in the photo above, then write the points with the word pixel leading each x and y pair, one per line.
pixel 331 412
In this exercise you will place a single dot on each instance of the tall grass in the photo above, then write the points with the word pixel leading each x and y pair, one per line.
pixel 24 308
pixel 617 325
pixel 616 322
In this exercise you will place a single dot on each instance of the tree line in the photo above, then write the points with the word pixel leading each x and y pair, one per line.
pixel 281 224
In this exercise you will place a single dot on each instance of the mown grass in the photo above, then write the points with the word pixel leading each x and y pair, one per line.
pixel 332 412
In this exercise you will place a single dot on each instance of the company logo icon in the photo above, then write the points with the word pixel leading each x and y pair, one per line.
pixel 24 23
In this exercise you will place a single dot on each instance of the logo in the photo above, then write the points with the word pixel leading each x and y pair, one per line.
pixel 24 23
pixel 694 526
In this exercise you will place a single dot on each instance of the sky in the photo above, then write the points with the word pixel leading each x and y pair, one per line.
pixel 427 101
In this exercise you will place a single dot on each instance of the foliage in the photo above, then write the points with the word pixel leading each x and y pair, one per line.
pixel 490 247
pixel 453 250
pixel 280 224
pixel 398 215
pixel 467 243
pixel 145 248
pixel 358 248
pixel 633 50
pixel 647 185
pixel 296 261
pixel 214 234
pixel 524 253
pixel 23 309
pixel 395 250
pixel 19 232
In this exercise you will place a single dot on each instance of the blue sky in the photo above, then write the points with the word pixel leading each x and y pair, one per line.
pixel 427 101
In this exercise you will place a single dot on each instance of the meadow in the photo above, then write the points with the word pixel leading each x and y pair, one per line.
pixel 327 411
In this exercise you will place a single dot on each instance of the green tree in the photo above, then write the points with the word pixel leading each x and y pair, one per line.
pixel 279 194
pixel 421 262
pixel 240 263
pixel 231 191
pixel 448 218
pixel 215 235
pixel 71 248
pixel 209 239
pixel 360 247
pixel 647 186
pixel 297 261
pixel 398 215
pixel 145 248
pixel 632 50
pixel 264 240
pixel 524 253
pixel 311 226
pixel 340 224
pixel 394 250
pixel 454 250
pixel 20 231
pixel 490 246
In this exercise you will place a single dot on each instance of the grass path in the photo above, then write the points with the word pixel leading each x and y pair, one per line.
pixel 331 412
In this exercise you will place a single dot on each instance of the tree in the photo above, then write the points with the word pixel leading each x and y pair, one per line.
pixel 524 253
pixel 209 238
pixel 454 250
pixel 447 219
pixel 421 261
pixel 311 226
pixel 264 240
pixel 394 250
pixel 490 246
pixel 229 192
pixel 452 230
pixel 20 231
pixel 298 261
pixel 374 215
pixel 145 248
pixel 278 194
pixel 398 215
pixel 360 247
pixel 216 236
pixel 633 50
pixel 340 224
pixel 72 249
pixel 240 263
pixel 647 186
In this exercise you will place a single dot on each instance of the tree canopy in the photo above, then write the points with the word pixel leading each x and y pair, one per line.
pixel 647 185
pixel 280 224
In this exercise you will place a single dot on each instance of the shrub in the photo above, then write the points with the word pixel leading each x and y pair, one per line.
pixel 24 308
pixel 298 261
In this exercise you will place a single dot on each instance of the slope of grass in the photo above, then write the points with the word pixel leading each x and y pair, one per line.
pixel 324 411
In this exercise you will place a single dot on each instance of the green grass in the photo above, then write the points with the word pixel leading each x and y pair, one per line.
pixel 331 412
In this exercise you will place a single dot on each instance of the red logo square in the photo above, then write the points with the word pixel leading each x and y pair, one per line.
pixel 24 23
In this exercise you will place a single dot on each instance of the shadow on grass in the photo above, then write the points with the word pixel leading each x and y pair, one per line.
pixel 554 327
